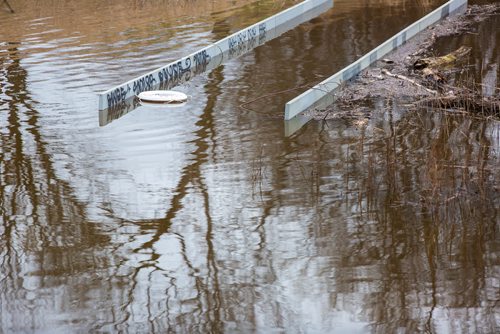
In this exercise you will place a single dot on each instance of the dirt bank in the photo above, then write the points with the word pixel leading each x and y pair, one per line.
pixel 358 96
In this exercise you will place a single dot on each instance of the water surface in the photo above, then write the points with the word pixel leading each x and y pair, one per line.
pixel 212 217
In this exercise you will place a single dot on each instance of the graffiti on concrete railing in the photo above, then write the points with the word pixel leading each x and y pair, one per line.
pixel 211 56
pixel 247 40
pixel 262 33
pixel 166 77
pixel 147 82
pixel 173 72
pixel 117 96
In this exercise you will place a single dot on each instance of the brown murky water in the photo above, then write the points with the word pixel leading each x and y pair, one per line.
pixel 217 218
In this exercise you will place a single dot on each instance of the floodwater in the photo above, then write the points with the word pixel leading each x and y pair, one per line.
pixel 218 216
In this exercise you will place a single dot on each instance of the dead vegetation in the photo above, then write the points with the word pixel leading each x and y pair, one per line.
pixel 416 74
pixel 467 100
pixel 431 76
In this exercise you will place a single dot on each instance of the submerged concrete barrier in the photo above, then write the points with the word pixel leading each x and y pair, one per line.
pixel 321 94
pixel 213 55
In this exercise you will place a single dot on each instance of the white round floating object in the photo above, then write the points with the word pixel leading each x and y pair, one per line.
pixel 162 96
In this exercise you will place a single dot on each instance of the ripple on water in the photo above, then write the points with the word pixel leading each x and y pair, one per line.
pixel 207 217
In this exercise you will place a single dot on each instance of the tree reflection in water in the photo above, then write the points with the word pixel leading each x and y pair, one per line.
pixel 423 199
pixel 45 241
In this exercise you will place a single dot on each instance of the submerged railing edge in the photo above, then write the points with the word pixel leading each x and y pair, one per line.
pixel 323 90
pixel 199 61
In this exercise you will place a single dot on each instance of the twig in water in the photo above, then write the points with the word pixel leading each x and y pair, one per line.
pixel 244 104
pixel 402 77
pixel 8 5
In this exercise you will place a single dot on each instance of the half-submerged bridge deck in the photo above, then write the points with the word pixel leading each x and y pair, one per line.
pixel 213 55
pixel 322 95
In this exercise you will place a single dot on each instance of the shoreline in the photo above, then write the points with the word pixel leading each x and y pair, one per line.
pixel 356 95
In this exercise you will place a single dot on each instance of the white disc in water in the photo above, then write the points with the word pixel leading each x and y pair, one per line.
pixel 162 96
